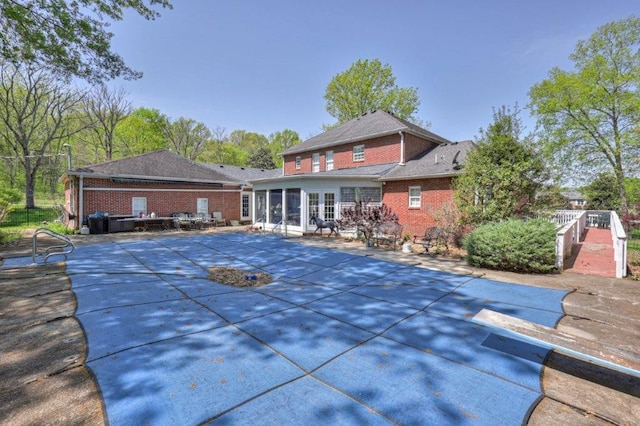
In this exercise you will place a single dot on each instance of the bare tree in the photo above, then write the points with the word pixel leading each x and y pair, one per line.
pixel 219 137
pixel 188 137
pixel 36 110
pixel 104 109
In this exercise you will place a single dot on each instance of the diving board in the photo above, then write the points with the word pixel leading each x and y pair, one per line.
pixel 564 343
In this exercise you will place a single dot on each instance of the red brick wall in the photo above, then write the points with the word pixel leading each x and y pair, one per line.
pixel 381 150
pixel 434 193
pixel 376 151
pixel 414 145
pixel 163 199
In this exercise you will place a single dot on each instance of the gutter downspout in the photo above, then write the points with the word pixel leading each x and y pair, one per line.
pixel 80 202
pixel 401 149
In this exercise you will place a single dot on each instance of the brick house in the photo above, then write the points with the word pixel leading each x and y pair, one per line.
pixel 160 182
pixel 376 157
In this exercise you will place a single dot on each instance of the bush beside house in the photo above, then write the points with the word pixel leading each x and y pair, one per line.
pixel 513 245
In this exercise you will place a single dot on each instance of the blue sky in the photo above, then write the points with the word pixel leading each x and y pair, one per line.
pixel 264 66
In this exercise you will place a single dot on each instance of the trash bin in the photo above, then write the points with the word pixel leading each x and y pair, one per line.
pixel 96 224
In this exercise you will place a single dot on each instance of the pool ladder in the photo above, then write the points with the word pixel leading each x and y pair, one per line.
pixel 59 250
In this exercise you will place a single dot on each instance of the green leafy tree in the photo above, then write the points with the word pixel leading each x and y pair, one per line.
pixel 261 159
pixel 601 193
pixel 233 155
pixel 249 141
pixel 501 175
pixel 590 115
pixel 367 86
pixel 215 152
pixel 71 37
pixel 142 131
pixel 187 137
pixel 279 141
pixel 632 186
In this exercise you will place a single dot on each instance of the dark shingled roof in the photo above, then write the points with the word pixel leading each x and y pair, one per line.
pixel 160 165
pixel 244 174
pixel 442 160
pixel 364 171
pixel 367 126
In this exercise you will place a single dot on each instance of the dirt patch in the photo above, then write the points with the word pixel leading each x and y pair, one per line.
pixel 237 277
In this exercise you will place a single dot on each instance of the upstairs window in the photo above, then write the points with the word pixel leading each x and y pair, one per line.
pixel 414 197
pixel 329 160
pixel 358 153
pixel 315 163
pixel 298 162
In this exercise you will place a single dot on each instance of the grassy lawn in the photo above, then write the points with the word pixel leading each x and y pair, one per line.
pixel 21 219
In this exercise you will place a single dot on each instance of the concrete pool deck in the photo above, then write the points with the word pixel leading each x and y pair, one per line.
pixel 338 337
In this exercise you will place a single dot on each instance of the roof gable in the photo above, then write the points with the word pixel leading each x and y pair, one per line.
pixel 162 165
pixel 367 126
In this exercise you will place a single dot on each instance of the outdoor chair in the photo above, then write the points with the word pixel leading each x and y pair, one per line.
pixel 182 221
pixel 204 220
pixel 218 220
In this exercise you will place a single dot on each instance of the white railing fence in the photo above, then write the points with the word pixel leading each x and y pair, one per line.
pixel 573 223
pixel 619 237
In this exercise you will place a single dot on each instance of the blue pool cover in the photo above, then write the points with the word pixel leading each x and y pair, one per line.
pixel 336 338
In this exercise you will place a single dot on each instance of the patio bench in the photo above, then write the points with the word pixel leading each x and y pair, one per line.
pixel 388 232
pixel 431 238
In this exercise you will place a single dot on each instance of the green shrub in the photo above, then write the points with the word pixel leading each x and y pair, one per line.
pixel 9 237
pixel 7 198
pixel 513 245
pixel 60 228
pixel 635 234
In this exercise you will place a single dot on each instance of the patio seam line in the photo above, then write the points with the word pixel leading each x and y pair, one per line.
pixel 141 345
pixel 277 352
pixel 374 334
pixel 129 305
pixel 472 367
pixel 312 372
pixel 234 324
pixel 238 325
pixel 306 375
pixel 419 311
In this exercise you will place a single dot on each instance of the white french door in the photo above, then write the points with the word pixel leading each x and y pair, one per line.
pixel 321 204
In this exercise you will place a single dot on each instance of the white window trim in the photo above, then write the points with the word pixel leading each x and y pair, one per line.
pixel 298 162
pixel 328 160
pixel 134 203
pixel 358 151
pixel 415 202
pixel 202 206
pixel 315 162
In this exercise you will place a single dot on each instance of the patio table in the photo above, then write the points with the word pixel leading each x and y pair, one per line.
pixel 147 223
